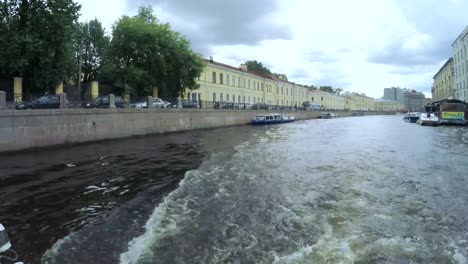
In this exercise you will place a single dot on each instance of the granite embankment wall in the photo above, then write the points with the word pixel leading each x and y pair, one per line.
pixel 21 130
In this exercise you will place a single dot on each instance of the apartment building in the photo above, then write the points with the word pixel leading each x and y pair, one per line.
pixel 460 65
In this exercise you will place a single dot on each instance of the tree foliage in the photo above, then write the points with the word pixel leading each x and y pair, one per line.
pixel 90 44
pixel 36 40
pixel 253 65
pixel 145 53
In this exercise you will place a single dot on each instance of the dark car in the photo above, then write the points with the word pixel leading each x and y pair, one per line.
pixel 189 104
pixel 43 102
pixel 261 106
pixel 103 102
pixel 223 105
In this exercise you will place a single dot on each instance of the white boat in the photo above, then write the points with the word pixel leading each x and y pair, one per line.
pixel 428 120
pixel 272 119
pixel 412 117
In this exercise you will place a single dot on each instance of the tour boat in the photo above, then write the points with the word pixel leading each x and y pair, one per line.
pixel 328 115
pixel 272 119
pixel 412 117
pixel 428 120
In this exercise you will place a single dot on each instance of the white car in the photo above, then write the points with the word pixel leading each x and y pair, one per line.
pixel 157 103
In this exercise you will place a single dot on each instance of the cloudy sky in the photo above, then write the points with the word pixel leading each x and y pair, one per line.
pixel 360 46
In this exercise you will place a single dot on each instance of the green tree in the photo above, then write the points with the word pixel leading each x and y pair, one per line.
pixel 90 44
pixel 311 87
pixel 327 89
pixel 36 41
pixel 253 65
pixel 338 91
pixel 145 53
pixel 281 76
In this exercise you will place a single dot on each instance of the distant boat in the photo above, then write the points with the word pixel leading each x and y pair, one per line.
pixel 428 120
pixel 328 115
pixel 412 117
pixel 272 119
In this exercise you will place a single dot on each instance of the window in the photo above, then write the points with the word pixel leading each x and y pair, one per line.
pixel 227 97
pixel 249 84
pixel 312 99
pixel 254 100
pixel 249 99
pixel 221 80
pixel 233 98
pixel 239 99
pixel 214 77
pixel 242 98
pixel 262 88
pixel 322 98
pixel 277 90
pixel 227 79
pixel 281 92
pixel 254 85
pixel 239 82
pixel 221 97
pixel 258 86
pixel 233 81
pixel 244 84
pixel 214 97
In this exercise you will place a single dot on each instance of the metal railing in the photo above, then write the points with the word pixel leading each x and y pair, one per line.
pixel 75 102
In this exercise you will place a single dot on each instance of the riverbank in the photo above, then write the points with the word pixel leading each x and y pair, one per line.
pixel 21 130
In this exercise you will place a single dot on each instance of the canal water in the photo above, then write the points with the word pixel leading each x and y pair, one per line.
pixel 352 190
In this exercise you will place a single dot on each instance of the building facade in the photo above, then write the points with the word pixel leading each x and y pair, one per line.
pixel 388 105
pixel 410 99
pixel 444 82
pixel 460 64
pixel 414 101
pixel 224 83
pixel 361 102
pixel 393 94
pixel 327 100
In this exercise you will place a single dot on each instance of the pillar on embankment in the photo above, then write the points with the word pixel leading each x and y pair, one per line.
pixel 3 100
pixel 18 89
pixel 59 89
pixel 94 89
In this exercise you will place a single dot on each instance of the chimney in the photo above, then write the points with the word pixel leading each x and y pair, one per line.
pixel 243 67
pixel 211 58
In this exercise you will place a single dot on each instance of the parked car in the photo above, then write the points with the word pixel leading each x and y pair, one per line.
pixel 189 104
pixel 157 103
pixel 223 105
pixel 261 106
pixel 103 102
pixel 160 103
pixel 43 102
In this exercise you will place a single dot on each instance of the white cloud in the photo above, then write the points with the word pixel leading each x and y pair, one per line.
pixel 361 46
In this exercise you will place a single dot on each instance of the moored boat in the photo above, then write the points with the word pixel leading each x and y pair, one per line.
pixel 412 117
pixel 328 115
pixel 272 119
pixel 428 120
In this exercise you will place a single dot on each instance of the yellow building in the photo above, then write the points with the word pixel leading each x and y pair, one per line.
pixel 388 105
pixel 443 87
pixel 327 100
pixel 221 82
pixel 359 102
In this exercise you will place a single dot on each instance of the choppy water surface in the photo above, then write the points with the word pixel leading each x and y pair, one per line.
pixel 354 190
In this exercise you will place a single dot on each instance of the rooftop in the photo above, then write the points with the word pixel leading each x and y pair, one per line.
pixel 450 60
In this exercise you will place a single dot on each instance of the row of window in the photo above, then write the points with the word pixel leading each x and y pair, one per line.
pixel 245 99
pixel 460 54
pixel 253 85
pixel 459 85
